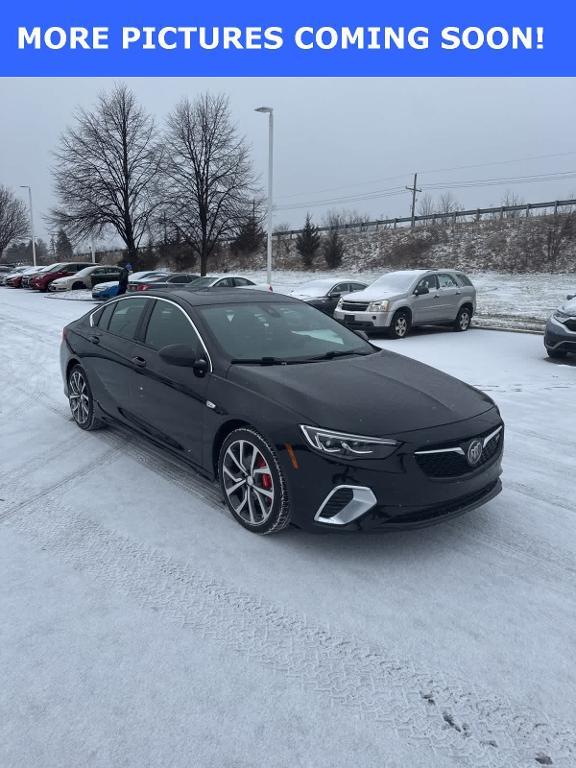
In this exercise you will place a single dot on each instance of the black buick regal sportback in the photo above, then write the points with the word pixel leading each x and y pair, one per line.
pixel 300 419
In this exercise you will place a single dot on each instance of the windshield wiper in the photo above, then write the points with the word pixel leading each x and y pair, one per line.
pixel 337 353
pixel 259 361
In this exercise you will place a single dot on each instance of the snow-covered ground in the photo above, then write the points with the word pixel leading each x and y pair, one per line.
pixel 504 300
pixel 140 626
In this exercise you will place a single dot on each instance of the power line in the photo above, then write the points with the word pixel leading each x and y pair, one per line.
pixel 438 186
pixel 431 171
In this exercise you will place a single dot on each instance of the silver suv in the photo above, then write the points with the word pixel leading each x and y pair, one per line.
pixel 398 301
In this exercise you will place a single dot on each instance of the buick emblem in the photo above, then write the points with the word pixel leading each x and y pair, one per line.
pixel 474 452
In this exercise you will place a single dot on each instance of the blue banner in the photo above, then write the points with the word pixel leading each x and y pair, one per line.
pixel 258 38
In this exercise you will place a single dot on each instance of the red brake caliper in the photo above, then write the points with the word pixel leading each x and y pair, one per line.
pixel 265 477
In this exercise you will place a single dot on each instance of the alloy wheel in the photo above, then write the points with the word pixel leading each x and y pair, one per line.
pixel 79 397
pixel 401 326
pixel 248 482
pixel 464 321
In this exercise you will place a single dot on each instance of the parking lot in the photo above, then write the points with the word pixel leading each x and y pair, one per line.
pixel 141 626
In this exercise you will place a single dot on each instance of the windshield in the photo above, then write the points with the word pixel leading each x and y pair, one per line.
pixel 56 268
pixel 315 288
pixel 395 281
pixel 202 282
pixel 157 277
pixel 266 332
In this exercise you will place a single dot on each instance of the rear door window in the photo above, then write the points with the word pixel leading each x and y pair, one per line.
pixel 447 281
pixel 168 324
pixel 104 316
pixel 126 316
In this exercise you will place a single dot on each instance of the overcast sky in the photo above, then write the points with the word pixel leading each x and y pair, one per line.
pixel 339 138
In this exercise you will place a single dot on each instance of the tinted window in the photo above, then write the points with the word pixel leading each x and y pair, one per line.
pixel 341 288
pixel 428 282
pixel 180 279
pixel 357 287
pixel 226 282
pixel 239 281
pixel 124 320
pixel 169 325
pixel 104 316
pixel 291 331
pixel 463 279
pixel 447 281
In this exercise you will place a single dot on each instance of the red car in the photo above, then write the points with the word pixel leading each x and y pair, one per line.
pixel 42 281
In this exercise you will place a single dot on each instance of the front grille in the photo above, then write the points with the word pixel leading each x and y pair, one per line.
pixel 336 503
pixel 445 464
pixel 354 306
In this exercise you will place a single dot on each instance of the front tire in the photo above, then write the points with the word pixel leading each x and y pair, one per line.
pixel 252 482
pixel 81 400
pixel 556 354
pixel 401 324
pixel 463 319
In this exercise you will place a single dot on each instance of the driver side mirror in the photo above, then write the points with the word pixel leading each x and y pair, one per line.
pixel 421 290
pixel 184 356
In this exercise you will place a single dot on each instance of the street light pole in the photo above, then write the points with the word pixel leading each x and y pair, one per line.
pixel 26 186
pixel 270 112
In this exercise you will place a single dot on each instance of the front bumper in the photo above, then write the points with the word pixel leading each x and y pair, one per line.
pixel 558 337
pixel 364 320
pixel 395 492
pixel 53 287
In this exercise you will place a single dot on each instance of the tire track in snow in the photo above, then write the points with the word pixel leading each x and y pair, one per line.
pixel 473 727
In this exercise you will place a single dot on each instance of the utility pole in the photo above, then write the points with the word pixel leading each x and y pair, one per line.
pixel 414 189
pixel 29 188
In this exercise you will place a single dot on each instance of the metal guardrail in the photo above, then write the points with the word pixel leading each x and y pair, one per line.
pixel 476 213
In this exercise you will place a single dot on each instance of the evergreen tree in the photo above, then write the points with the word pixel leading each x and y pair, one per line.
pixel 333 249
pixel 308 242
pixel 250 235
pixel 63 246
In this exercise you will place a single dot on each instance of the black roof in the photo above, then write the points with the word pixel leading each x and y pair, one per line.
pixel 204 296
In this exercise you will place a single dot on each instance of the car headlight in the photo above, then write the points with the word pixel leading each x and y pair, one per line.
pixel 560 316
pixel 378 306
pixel 340 303
pixel 348 446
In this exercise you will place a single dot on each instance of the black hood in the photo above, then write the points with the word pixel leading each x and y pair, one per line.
pixel 375 395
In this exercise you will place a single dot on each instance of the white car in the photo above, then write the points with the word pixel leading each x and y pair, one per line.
pixel 226 281
pixel 86 278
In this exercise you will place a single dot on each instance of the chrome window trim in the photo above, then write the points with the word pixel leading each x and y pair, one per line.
pixel 168 301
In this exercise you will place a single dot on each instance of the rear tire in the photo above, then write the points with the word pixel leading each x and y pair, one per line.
pixel 252 482
pixel 463 319
pixel 401 324
pixel 78 286
pixel 81 400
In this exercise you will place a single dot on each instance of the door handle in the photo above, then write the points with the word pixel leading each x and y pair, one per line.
pixel 139 361
pixel 94 339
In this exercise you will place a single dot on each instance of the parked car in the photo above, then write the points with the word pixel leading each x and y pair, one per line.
pixel 28 276
pixel 5 269
pixel 560 333
pixel 325 294
pixel 14 279
pixel 86 278
pixel 167 281
pixel 301 420
pixel 63 269
pixel 11 273
pixel 398 301
pixel 225 281
pixel 109 290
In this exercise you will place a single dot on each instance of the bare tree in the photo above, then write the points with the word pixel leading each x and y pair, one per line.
pixel 426 206
pixel 13 218
pixel 107 171
pixel 510 199
pixel 448 203
pixel 210 173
